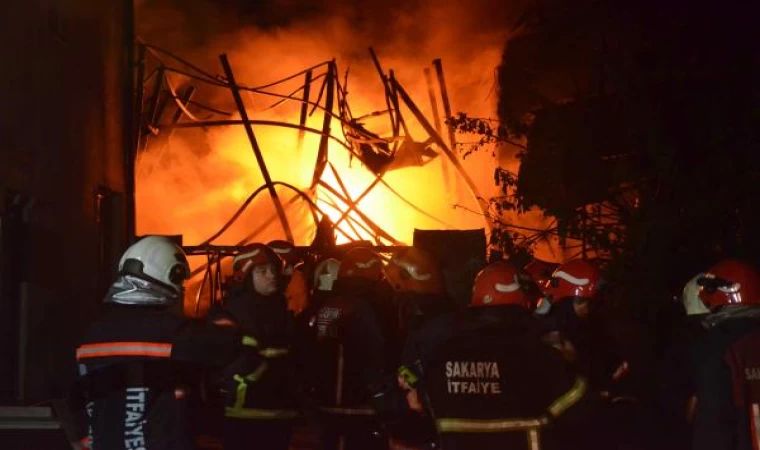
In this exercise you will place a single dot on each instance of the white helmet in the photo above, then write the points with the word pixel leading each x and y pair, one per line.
pixel 156 259
pixel 325 274
pixel 690 297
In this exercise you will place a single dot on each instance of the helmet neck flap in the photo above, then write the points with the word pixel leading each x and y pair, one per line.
pixel 131 290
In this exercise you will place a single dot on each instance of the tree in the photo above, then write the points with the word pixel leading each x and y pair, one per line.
pixel 646 113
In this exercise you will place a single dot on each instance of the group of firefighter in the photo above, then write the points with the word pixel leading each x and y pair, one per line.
pixel 370 350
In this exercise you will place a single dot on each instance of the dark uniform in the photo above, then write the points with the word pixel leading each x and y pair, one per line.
pixel 489 382
pixel 135 365
pixel 420 297
pixel 351 356
pixel 597 359
pixel 259 384
pixel 728 382
pixel 306 325
pixel 415 309
pixel 676 385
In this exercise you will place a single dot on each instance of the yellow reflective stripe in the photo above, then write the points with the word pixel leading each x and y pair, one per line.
pixel 242 388
pixel 569 398
pixel 253 413
pixel 242 384
pixel 273 352
pixel 452 425
pixel 249 341
pixel 408 375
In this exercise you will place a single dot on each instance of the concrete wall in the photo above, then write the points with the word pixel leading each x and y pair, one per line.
pixel 64 84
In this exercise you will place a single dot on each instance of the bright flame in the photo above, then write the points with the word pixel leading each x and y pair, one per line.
pixel 191 181
pixel 196 182
pixel 197 179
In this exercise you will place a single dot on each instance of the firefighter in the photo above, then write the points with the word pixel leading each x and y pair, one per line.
pixel 574 300
pixel 420 295
pixel 676 388
pixel 727 360
pixel 297 288
pixel 323 279
pixel 325 275
pixel 136 362
pixel 259 384
pixel 487 381
pixel 353 329
pixel 419 289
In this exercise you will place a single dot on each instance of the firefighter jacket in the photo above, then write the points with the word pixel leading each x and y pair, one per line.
pixel 487 381
pixel 259 384
pixel 306 337
pixel 352 350
pixel 134 365
pixel 727 360
pixel 597 359
pixel 415 309
pixel 675 383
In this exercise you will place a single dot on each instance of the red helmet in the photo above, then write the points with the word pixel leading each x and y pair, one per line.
pixel 251 256
pixel 361 262
pixel 730 282
pixel 501 283
pixel 577 278
pixel 414 270
pixel 285 250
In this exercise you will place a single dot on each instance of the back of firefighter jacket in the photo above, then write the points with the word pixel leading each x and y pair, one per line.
pixel 490 383
pixel 134 365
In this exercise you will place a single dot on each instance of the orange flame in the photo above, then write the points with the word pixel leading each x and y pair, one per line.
pixel 191 181
pixel 197 190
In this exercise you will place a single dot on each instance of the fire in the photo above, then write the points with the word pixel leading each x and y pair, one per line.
pixel 191 181
pixel 198 183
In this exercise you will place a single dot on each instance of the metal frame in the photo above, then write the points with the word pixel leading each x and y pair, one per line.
pixel 167 65
pixel 156 71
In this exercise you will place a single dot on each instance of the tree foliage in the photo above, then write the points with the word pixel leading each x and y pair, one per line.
pixel 641 132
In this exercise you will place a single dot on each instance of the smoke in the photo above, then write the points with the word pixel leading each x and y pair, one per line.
pixel 276 37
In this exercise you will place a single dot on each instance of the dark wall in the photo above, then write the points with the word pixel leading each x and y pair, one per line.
pixel 65 90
